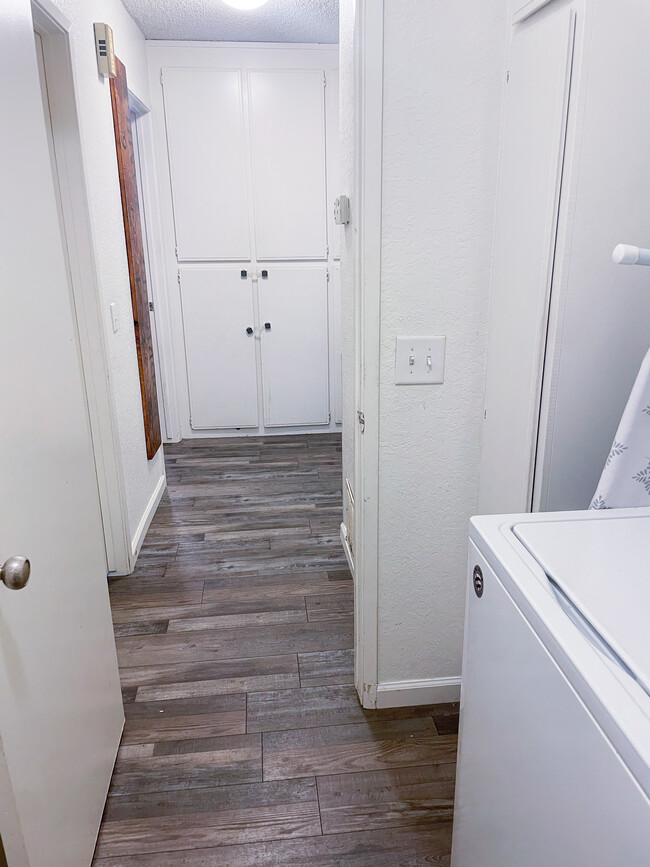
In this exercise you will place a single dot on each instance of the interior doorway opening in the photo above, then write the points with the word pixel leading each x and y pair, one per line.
pixel 62 125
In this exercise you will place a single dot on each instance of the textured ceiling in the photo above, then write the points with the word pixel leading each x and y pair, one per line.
pixel 277 21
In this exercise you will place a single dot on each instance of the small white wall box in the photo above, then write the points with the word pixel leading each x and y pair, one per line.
pixel 420 360
pixel 342 211
pixel 105 50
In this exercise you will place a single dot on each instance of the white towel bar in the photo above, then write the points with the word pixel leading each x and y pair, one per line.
pixel 626 254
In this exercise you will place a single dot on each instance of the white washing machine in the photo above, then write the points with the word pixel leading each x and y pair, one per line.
pixel 554 754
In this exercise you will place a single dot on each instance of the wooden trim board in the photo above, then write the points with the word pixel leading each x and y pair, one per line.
pixel 135 254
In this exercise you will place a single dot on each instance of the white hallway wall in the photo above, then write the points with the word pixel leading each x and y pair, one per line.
pixel 444 66
pixel 143 479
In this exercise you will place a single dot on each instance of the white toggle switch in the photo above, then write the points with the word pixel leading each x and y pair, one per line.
pixel 419 360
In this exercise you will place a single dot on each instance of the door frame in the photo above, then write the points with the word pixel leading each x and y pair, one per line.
pixel 368 127
pixel 54 29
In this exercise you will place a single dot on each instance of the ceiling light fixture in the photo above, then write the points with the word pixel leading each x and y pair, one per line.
pixel 245 4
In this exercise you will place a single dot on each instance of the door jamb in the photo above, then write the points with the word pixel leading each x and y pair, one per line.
pixel 54 29
pixel 368 101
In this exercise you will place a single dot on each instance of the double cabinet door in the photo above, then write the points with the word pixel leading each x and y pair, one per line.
pixel 247 158
pixel 253 339
pixel 247 162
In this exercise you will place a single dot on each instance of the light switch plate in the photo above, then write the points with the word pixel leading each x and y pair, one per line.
pixel 419 360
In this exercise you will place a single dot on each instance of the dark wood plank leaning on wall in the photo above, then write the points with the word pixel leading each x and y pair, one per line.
pixel 135 253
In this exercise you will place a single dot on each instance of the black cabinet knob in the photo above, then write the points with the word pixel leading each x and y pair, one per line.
pixel 267 326
pixel 249 330
pixel 244 273
pixel 265 273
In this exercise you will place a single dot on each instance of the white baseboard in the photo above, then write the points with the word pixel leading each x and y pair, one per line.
pixel 405 693
pixel 346 548
pixel 145 520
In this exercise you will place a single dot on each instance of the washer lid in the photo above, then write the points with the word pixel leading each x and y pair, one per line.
pixel 602 565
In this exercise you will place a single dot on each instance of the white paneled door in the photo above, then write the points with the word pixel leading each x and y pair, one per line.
pixel 60 704
pixel 219 326
pixel 205 140
pixel 287 110
pixel 294 339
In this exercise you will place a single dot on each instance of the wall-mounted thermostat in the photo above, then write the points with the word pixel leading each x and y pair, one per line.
pixel 342 210
pixel 105 50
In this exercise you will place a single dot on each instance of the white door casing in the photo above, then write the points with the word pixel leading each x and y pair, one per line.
pixel 60 704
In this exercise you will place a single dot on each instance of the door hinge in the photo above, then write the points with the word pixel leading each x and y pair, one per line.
pixel 161 76
pixel 508 77
pixel 178 276
pixel 324 79
pixel 327 250
pixel 151 307
pixel 362 420
pixel 176 250
pixel 328 275
pixel 329 416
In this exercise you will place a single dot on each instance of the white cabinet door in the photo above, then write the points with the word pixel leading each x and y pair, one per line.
pixel 288 151
pixel 60 706
pixel 205 140
pixel 220 354
pixel 529 188
pixel 295 357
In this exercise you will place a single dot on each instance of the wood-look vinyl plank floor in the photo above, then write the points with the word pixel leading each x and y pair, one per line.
pixel 244 741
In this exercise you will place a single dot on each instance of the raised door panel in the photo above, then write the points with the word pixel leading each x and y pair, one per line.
pixel 288 153
pixel 529 190
pixel 205 139
pixel 220 354
pixel 295 356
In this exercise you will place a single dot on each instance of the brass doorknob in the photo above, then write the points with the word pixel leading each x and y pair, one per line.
pixel 15 572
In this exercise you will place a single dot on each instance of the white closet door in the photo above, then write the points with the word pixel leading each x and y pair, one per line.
pixel 529 190
pixel 288 150
pixel 220 355
pixel 295 357
pixel 205 138
pixel 602 310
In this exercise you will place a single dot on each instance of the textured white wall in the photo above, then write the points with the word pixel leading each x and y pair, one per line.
pixel 96 121
pixel 444 65
pixel 346 179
